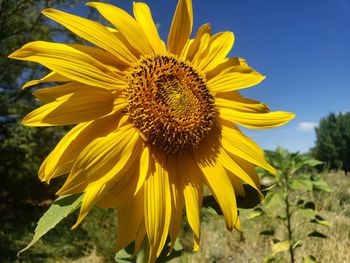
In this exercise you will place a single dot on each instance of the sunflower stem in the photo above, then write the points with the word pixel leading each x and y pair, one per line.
pixel 288 215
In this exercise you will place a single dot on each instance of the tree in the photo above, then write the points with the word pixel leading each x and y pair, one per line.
pixel 22 148
pixel 23 197
pixel 333 141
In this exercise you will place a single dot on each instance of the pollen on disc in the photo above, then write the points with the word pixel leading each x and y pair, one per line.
pixel 168 101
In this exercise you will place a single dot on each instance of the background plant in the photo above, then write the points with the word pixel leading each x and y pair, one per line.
pixel 289 201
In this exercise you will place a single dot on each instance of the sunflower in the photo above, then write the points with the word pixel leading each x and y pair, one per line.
pixel 154 124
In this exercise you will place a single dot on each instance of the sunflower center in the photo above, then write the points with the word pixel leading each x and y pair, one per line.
pixel 168 101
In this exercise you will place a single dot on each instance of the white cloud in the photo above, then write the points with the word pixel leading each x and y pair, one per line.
pixel 158 25
pixel 307 126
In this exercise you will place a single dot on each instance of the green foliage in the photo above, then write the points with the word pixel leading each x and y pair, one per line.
pixel 22 149
pixel 333 141
pixel 292 186
pixel 61 208
pixel 95 238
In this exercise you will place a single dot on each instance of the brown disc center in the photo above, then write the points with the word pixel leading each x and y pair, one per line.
pixel 168 101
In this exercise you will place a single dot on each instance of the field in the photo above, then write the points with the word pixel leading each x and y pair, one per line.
pixel 94 240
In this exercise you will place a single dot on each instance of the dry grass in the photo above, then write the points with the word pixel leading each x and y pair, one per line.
pixel 221 246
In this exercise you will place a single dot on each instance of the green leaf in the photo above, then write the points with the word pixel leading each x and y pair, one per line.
pixel 319 220
pixel 309 259
pixel 269 259
pixel 315 233
pixel 60 208
pixel 308 210
pixel 255 213
pixel 308 213
pixel 212 210
pixel 177 245
pixel 123 256
pixel 279 247
pixel 302 183
pixel 282 152
pixel 321 185
pixel 273 199
pixel 312 162
pixel 268 232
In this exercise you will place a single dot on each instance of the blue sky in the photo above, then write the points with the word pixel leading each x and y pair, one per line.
pixel 303 47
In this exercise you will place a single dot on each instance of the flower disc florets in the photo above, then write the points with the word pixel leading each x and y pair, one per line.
pixel 168 101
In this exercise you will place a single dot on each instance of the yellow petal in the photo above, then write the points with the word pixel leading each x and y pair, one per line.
pixel 234 80
pixel 123 189
pixel 234 168
pixel 144 165
pixel 71 109
pixel 238 224
pixel 186 49
pixel 203 48
pixel 219 46
pixel 144 18
pixel 193 46
pixel 96 190
pixel 52 93
pixel 102 56
pixel 140 236
pixel 157 209
pixel 193 192
pixel 181 27
pixel 106 159
pixel 249 168
pixel 130 218
pixel 256 120
pixel 234 101
pixel 126 24
pixel 94 33
pixel 234 142
pixel 47 168
pixel 236 184
pixel 92 194
pixel 51 77
pixel 228 65
pixel 220 186
pixel 62 158
pixel 177 201
pixel 71 63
